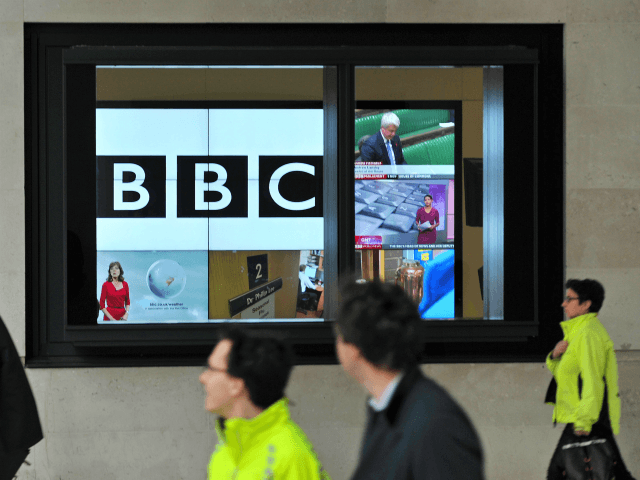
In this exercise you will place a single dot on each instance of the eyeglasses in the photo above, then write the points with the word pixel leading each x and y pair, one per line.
pixel 568 299
pixel 213 369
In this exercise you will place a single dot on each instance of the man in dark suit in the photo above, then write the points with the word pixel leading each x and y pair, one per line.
pixel 385 145
pixel 414 429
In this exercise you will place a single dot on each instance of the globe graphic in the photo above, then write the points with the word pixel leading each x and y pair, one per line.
pixel 166 278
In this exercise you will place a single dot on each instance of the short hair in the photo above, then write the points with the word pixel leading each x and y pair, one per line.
pixel 120 277
pixel 588 289
pixel 382 321
pixel 263 363
pixel 427 195
pixel 389 118
pixel 303 267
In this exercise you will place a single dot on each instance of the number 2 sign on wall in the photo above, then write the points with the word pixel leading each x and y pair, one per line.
pixel 258 270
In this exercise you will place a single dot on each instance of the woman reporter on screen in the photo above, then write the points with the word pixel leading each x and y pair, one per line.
pixel 427 219
pixel 114 299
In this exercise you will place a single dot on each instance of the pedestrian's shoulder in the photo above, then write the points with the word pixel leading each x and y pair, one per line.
pixel 594 332
pixel 440 415
pixel 433 400
pixel 292 451
pixel 430 391
pixel 291 440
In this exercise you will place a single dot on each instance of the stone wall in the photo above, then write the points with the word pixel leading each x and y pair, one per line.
pixel 144 423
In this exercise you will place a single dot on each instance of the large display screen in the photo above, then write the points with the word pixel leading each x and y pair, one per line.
pixel 404 202
pixel 209 214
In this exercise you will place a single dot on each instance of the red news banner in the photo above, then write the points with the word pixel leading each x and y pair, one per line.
pixel 374 176
pixel 368 242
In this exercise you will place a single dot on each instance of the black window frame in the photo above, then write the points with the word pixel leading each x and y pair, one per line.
pixel 534 262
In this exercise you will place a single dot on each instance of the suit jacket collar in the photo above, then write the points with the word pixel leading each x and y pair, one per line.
pixel 383 147
pixel 394 140
pixel 401 393
pixel 382 143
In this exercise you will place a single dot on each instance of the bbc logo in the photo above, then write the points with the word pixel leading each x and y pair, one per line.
pixel 213 187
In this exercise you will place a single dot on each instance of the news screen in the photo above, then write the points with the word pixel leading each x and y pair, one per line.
pixel 404 175
pixel 209 215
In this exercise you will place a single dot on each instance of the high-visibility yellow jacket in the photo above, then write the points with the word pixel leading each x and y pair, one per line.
pixel 269 446
pixel 591 357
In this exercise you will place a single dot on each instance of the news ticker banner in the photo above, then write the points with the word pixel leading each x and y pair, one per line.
pixel 370 171
pixel 374 242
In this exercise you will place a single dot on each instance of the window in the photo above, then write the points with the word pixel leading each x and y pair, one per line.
pixel 210 231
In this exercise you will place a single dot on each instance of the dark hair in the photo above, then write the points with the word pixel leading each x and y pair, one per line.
pixel 382 321
pixel 263 363
pixel 588 289
pixel 121 276
pixel 427 195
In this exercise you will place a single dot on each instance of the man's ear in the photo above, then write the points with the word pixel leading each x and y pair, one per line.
pixel 236 387
pixel 352 352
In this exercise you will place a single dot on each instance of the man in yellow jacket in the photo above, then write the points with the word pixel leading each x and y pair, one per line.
pixel 586 373
pixel 245 380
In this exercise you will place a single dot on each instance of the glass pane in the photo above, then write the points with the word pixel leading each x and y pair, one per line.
pixel 420 151
pixel 209 194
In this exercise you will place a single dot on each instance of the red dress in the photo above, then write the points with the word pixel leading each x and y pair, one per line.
pixel 432 218
pixel 116 300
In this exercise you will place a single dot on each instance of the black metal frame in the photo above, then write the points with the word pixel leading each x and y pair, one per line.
pixel 534 67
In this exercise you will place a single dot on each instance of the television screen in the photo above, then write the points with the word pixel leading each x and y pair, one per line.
pixel 206 213
pixel 405 161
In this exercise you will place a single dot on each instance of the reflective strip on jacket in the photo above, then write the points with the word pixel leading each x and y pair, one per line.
pixel 269 446
pixel 590 355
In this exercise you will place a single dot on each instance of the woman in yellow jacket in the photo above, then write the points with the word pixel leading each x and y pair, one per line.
pixel 586 373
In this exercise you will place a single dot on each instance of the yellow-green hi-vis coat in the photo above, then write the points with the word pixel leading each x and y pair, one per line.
pixel 269 446
pixel 589 355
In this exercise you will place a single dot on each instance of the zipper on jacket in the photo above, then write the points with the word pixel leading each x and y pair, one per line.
pixel 235 472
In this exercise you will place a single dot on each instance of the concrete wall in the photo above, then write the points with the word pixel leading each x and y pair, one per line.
pixel 144 423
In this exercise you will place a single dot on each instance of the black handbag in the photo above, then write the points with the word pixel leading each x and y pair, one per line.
pixel 589 459
pixel 552 389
